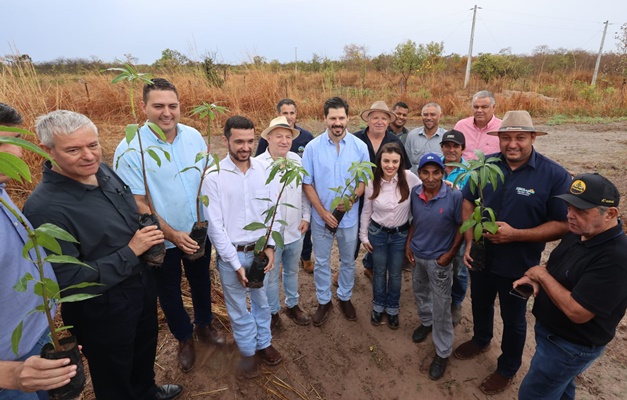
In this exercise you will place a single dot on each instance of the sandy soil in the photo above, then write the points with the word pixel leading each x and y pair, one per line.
pixel 354 360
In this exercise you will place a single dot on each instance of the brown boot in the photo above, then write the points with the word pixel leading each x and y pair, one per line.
pixel 298 315
pixel 495 383
pixel 468 350
pixel 275 323
pixel 348 310
pixel 187 357
pixel 308 266
pixel 247 367
pixel 321 314
pixel 270 355
pixel 208 334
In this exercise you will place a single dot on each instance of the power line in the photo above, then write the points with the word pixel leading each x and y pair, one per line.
pixel 551 17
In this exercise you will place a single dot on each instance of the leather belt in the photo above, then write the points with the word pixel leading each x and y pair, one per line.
pixel 245 248
pixel 402 228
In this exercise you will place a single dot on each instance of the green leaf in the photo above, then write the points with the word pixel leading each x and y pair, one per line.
pixel 14 167
pixel 188 168
pixel 55 232
pixel 469 223
pixel 477 232
pixel 278 239
pixel 154 156
pixel 261 242
pixel 77 297
pixel 25 144
pixel 130 131
pixel 155 128
pixel 335 203
pixel 16 336
pixel 280 221
pixel 61 259
pixel 52 288
pixel 491 214
pixel 204 199
pixel 22 284
pixel 253 226
pixel 48 242
pixel 200 156
pixel 83 285
pixel 491 227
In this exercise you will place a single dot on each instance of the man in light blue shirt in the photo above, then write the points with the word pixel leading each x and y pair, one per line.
pixel 327 159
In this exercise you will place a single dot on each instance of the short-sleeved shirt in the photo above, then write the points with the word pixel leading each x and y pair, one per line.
pixel 526 200
pixel 298 144
pixel 595 272
pixel 327 169
pixel 478 138
pixel 435 221
pixel 418 144
pixel 173 194
pixel 388 138
pixel 455 173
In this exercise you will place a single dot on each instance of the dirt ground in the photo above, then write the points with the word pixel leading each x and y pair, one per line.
pixel 355 360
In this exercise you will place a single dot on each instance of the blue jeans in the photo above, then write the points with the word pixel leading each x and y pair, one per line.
pixel 169 290
pixel 460 277
pixel 289 257
pixel 484 288
pixel 251 329
pixel 432 289
pixel 323 242
pixel 6 394
pixel 554 367
pixel 388 252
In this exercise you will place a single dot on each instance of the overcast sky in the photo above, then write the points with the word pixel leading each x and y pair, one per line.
pixel 237 30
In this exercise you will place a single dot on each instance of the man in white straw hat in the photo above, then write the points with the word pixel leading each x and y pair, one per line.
pixel 528 215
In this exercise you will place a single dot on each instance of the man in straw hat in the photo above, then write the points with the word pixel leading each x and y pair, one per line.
pixel 528 215
pixel 427 138
pixel 580 293
pixel 279 136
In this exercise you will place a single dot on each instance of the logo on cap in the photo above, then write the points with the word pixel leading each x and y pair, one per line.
pixel 578 187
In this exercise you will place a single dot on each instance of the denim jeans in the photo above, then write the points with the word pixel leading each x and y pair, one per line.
pixel 289 257
pixel 554 366
pixel 169 290
pixel 388 252
pixel 307 246
pixel 6 394
pixel 484 286
pixel 460 277
pixel 432 290
pixel 323 242
pixel 251 329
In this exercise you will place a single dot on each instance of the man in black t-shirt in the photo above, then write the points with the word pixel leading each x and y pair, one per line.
pixel 581 294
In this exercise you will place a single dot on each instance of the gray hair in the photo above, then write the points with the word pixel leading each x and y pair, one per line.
pixel 60 122
pixel 432 104
pixel 482 95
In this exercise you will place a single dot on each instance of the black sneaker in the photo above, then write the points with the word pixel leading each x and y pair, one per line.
pixel 437 368
pixel 421 333
pixel 392 321
pixel 376 318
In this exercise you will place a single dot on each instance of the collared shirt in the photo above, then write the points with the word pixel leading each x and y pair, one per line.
pixel 173 194
pixel 17 305
pixel 388 138
pixel 298 144
pixel 418 144
pixel 477 138
pixel 526 200
pixel 435 221
pixel 385 209
pixel 293 195
pixel 327 169
pixel 454 173
pixel 236 199
pixel 595 272
pixel 102 218
pixel 402 135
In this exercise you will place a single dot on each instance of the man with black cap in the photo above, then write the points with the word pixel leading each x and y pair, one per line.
pixel 432 243
pixel 528 215
pixel 580 293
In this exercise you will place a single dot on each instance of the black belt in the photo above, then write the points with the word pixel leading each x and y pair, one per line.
pixel 402 228
pixel 245 248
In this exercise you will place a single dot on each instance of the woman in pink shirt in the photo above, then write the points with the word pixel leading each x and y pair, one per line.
pixel 383 229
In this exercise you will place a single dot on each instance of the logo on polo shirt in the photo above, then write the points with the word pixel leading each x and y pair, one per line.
pixel 525 192
pixel 578 187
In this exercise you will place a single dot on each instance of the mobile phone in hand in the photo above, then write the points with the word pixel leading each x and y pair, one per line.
pixel 523 291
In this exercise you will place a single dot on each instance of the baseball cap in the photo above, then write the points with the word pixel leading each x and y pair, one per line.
pixel 455 137
pixel 430 158
pixel 591 190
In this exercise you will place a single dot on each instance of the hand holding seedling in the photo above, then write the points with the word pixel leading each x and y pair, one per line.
pixel 144 239
pixel 270 254
pixel 37 373
pixel 504 234
pixel 329 219
pixel 183 241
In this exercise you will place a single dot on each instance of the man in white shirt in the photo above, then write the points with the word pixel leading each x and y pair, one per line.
pixel 236 196
pixel 279 136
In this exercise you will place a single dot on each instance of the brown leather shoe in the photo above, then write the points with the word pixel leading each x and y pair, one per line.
pixel 321 314
pixel 187 357
pixel 348 310
pixel 275 322
pixel 495 383
pixel 297 315
pixel 368 273
pixel 468 350
pixel 308 266
pixel 334 278
pixel 247 367
pixel 208 334
pixel 270 355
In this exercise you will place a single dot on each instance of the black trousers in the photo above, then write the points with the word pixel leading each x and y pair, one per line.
pixel 118 332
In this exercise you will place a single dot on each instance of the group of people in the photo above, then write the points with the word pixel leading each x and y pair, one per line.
pixel 410 212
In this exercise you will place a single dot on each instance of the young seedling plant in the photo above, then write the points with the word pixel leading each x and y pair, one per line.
pixel 155 255
pixel 290 172
pixel 480 172
pixel 360 172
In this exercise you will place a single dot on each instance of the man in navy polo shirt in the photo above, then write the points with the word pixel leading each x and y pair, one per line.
pixel 581 294
pixel 528 216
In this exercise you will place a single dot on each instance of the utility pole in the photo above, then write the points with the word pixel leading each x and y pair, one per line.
pixel 596 67
pixel 472 38
pixel 295 60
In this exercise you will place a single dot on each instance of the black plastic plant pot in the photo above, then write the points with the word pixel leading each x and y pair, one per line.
pixel 255 273
pixel 155 255
pixel 338 216
pixel 199 235
pixel 69 349
pixel 477 252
